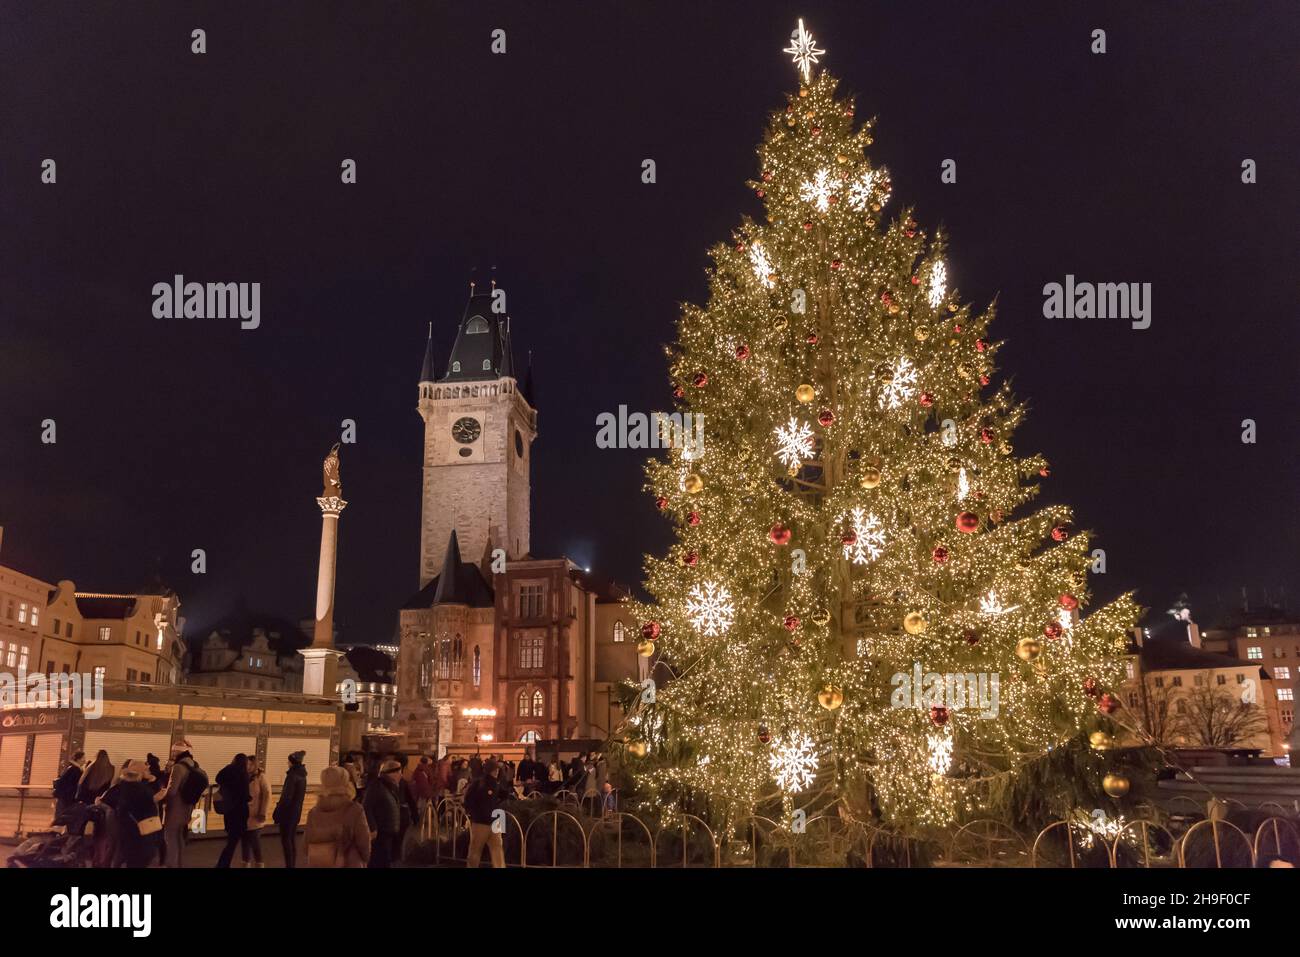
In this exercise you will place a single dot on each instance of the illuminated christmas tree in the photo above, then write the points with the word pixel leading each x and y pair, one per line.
pixel 855 523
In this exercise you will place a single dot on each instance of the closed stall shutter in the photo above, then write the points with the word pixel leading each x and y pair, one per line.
pixel 45 759
pixel 214 751
pixel 123 745
pixel 277 758
pixel 13 749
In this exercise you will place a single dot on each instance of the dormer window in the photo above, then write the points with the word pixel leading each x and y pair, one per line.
pixel 455 366
pixel 487 365
pixel 476 326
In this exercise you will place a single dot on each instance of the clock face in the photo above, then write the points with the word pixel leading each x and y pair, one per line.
pixel 466 430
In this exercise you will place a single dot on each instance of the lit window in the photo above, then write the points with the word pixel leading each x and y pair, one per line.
pixel 529 737
pixel 1285 694
pixel 36 616
pixel 1129 670
pixel 1252 633
pixel 1283 672
pixel 105 633
pixel 539 704
pixel 532 603
pixel 618 631
pixel 478 667
pixel 22 613
pixel 531 652
pixel 22 658
pixel 1255 653
pixel 100 673
pixel 521 705
pixel 12 660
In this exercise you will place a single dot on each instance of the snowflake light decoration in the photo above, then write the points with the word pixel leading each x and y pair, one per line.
pixel 939 744
pixel 991 604
pixel 804 50
pixel 762 264
pixel 710 608
pixel 794 762
pixel 819 189
pixel 901 385
pixel 938 283
pixel 862 188
pixel 794 443
pixel 869 538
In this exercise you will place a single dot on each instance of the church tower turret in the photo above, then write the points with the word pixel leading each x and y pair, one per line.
pixel 478 435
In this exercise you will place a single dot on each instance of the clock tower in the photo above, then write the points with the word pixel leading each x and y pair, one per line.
pixel 479 426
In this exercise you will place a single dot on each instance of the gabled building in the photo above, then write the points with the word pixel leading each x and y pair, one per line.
pixel 249 652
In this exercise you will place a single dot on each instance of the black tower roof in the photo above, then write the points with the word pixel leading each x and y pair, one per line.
pixel 459 583
pixel 482 348
pixel 427 373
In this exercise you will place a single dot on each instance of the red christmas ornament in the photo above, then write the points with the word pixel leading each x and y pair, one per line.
pixel 911 233
pixel 886 298
pixel 968 522
pixel 767 177
pixel 742 351
pixel 1044 471
pixel 1090 687
pixel 816 131
pixel 679 392
pixel 807 226
pixel 701 380
pixel 741 247
pixel 940 554
pixel 972 636
pixel 826 417
pixel 832 199
pixel 1052 630
pixel 693 518
pixel 779 534
pixel 791 622
pixel 984 380
pixel 957 328
pixel 1108 704
pixel 836 264
pixel 811 338
pixel 926 399
pixel 661 502
pixel 849 538
pixel 916 280
pixel 979 345
pixel 1061 533
pixel 764 735
pixel 939 715
pixel 691 558
pixel 986 436
pixel 650 631
pixel 759 193
pixel 1068 602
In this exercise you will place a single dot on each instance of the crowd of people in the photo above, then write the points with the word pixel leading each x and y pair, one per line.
pixel 365 808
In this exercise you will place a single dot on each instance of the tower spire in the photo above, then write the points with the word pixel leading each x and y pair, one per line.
pixel 427 371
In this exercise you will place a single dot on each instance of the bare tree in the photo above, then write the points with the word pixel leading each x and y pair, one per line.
pixel 1209 715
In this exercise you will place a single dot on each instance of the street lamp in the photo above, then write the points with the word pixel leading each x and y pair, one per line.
pixel 474 715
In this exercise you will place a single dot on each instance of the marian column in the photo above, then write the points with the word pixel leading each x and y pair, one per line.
pixel 320 669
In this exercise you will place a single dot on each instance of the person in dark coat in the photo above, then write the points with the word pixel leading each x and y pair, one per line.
pixel 384 814
pixel 155 773
pixel 232 782
pixel 481 802
pixel 95 780
pixel 132 801
pixel 288 812
pixel 65 785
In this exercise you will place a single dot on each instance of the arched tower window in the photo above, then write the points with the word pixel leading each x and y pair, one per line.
pixel 476 326
pixel 618 631
pixel 530 737
pixel 478 668
pixel 539 704
pixel 521 704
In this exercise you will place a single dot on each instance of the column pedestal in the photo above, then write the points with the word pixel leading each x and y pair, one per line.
pixel 320 671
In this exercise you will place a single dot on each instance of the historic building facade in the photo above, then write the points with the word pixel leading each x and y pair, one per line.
pixel 497 645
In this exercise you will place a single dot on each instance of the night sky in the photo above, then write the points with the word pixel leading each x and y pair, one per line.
pixel 183 434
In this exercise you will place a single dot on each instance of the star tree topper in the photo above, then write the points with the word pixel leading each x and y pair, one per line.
pixel 804 50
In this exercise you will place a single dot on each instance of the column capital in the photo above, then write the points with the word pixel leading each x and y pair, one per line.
pixel 331 506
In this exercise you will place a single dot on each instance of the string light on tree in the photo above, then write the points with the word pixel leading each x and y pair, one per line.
pixel 804 50
pixel 991 605
pixel 710 608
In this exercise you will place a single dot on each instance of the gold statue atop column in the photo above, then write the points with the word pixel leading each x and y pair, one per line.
pixel 333 483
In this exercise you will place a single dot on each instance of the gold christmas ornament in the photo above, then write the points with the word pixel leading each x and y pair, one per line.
pixel 915 624
pixel 921 333
pixel 830 697
pixel 1116 785
pixel 781 323
pixel 790 121
pixel 821 616
pixel 803 91
pixel 1100 741
pixel 841 158
pixel 805 393
pixel 693 484
pixel 870 477
pixel 1027 649
pixel 645 649
pixel 636 749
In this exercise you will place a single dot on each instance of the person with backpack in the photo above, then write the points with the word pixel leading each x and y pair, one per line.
pixel 383 808
pixel 337 833
pixel 232 805
pixel 65 785
pixel 288 811
pixel 187 783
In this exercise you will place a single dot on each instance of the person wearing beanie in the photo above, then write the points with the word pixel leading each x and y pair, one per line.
pixel 337 834
pixel 481 802
pixel 177 812
pixel 135 815
pixel 383 806
pixel 288 811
